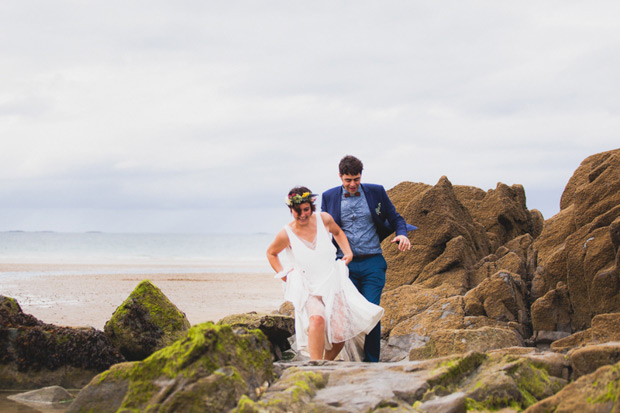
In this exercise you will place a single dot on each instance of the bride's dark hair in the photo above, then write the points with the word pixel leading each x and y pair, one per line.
pixel 297 194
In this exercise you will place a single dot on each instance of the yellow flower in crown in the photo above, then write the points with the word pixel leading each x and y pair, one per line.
pixel 297 199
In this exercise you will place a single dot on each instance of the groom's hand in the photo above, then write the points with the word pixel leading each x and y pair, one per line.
pixel 403 242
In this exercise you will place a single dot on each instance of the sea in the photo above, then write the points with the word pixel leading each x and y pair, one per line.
pixel 167 253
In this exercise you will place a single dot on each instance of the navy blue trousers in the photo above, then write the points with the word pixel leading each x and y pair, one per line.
pixel 368 276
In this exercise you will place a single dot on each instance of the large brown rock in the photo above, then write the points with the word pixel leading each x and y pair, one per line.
pixel 605 328
pixel 448 240
pixel 501 297
pixel 451 280
pixel 579 246
pixel 502 211
pixel 588 359
pixel 452 341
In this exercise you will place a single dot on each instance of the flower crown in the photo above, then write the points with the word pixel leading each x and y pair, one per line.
pixel 296 199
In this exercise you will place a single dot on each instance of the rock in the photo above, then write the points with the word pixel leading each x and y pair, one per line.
pixel 495 380
pixel 451 280
pixel 286 309
pixel 588 359
pixel 446 342
pixel 543 337
pixel 453 403
pixel 277 328
pixel 605 328
pixel 552 312
pixel 146 322
pixel 208 369
pixel 12 316
pixel 501 297
pixel 595 392
pixel 293 392
pixel 35 354
pixel 578 339
pixel 502 211
pixel 52 395
pixel 516 377
pixel 419 310
pixel 516 257
pixel 397 348
pixel 447 241
pixel 579 246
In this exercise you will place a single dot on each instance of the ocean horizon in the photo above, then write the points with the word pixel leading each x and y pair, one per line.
pixel 133 252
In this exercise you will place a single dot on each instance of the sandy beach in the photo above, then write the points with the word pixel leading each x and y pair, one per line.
pixel 86 295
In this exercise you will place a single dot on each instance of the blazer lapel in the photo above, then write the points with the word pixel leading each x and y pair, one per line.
pixel 336 206
pixel 370 200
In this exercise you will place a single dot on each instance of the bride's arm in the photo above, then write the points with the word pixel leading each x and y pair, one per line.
pixel 339 236
pixel 276 247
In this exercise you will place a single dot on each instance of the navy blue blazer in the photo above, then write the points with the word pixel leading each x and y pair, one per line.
pixel 382 211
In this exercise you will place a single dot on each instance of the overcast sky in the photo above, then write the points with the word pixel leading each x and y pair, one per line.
pixel 199 116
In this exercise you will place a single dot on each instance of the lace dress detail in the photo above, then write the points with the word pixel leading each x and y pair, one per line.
pixel 317 274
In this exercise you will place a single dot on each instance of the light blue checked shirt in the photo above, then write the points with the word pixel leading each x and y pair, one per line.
pixel 357 224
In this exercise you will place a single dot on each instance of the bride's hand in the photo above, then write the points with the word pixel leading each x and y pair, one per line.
pixel 347 258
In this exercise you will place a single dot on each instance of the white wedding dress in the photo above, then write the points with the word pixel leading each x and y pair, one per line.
pixel 316 272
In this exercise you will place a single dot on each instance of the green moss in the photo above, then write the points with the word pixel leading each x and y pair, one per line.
pixel 162 312
pixel 491 404
pixel 533 382
pixel 247 405
pixel 297 395
pixel 11 305
pixel 206 349
pixel 457 368
pixel 611 393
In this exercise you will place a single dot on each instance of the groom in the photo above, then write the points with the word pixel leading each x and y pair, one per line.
pixel 367 216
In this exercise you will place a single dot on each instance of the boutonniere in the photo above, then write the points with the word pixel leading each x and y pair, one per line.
pixel 378 209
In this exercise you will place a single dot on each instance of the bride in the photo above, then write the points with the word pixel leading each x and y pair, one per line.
pixel 329 310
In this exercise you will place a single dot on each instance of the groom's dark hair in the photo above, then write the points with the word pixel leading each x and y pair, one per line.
pixel 350 165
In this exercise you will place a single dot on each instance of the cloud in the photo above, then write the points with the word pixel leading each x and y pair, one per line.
pixel 192 108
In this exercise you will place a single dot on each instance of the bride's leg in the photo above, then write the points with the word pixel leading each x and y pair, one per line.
pixel 316 337
pixel 335 350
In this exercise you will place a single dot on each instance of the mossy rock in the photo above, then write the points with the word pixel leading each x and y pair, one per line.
pixel 146 322
pixel 292 393
pixel 277 328
pixel 494 381
pixel 34 354
pixel 11 314
pixel 208 369
pixel 595 392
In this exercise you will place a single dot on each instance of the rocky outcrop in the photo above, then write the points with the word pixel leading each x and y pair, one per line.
pixel 52 398
pixel 596 392
pixel 483 260
pixel 277 328
pixel 146 322
pixel 578 255
pixel 473 381
pixel 34 354
pixel 208 369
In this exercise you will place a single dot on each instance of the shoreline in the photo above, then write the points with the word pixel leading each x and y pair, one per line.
pixel 81 294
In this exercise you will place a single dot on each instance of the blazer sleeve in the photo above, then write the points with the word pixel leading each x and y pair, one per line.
pixel 397 222
pixel 324 202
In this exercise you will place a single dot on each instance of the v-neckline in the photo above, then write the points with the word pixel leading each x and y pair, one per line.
pixel 305 242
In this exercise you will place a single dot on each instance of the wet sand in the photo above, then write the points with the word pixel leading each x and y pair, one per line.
pixel 82 298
